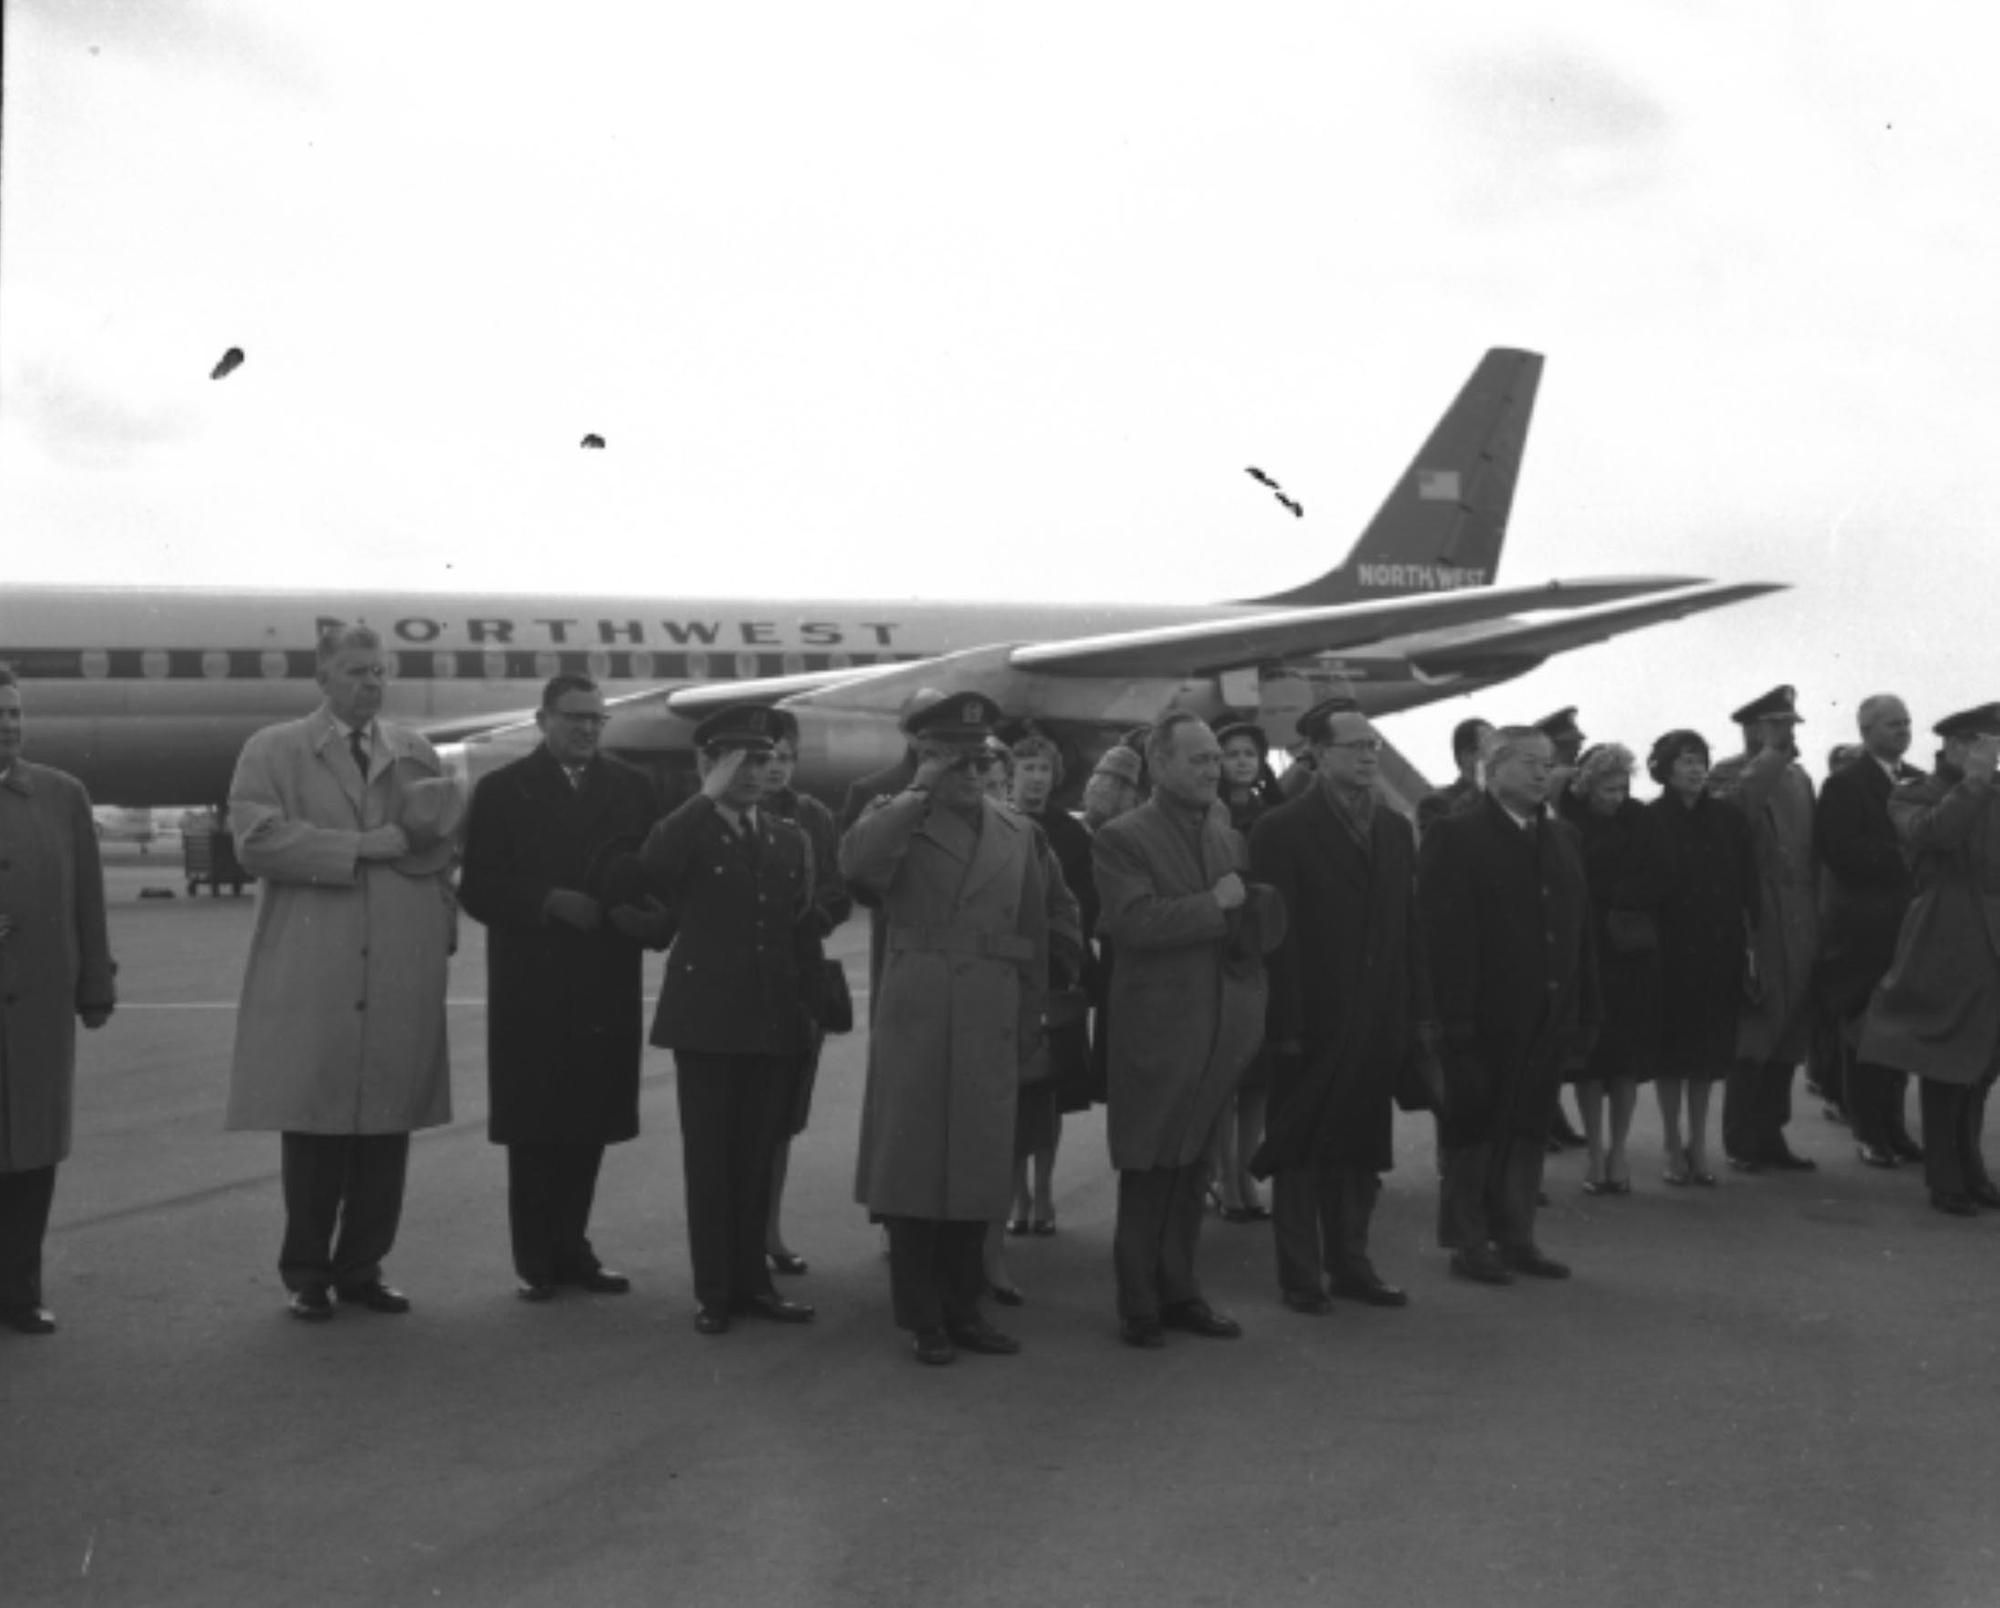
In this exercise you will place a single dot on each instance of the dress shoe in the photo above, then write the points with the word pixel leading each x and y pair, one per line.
pixel 1954 1205
pixel 1785 1159
pixel 535 1290
pixel 1984 1194
pixel 1744 1164
pixel 1480 1265
pixel 933 1346
pixel 711 1320
pixel 375 1296
pixel 602 1281
pixel 786 1262
pixel 1529 1260
pixel 1198 1317
pixel 28 1319
pixel 1370 1292
pixel 1877 1156
pixel 982 1337
pixel 1145 1333
pixel 1313 1303
pixel 775 1308
pixel 311 1304
pixel 1905 1148
pixel 1007 1295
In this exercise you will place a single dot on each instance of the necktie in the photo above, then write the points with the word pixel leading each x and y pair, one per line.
pixel 357 745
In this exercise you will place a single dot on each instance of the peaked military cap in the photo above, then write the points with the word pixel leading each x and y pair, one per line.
pixel 1780 703
pixel 1561 727
pixel 1244 728
pixel 1313 724
pixel 1970 722
pixel 755 727
pixel 955 717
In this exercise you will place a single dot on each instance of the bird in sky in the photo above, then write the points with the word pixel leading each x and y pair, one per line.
pixel 231 361
pixel 1298 509
pixel 592 440
pixel 1262 478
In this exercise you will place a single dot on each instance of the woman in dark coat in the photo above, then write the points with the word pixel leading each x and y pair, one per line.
pixel 1625 862
pixel 1249 791
pixel 1705 919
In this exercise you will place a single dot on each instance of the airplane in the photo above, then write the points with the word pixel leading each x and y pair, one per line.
pixel 147 694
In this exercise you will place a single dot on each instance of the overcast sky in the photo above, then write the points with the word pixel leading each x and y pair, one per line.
pixel 956 300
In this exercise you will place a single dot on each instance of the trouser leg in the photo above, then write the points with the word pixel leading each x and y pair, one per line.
pixel 575 1195
pixel 1514 1183
pixel 531 1188
pixel 1777 1101
pixel 1143 1195
pixel 371 1206
pixel 702 1085
pixel 1462 1224
pixel 25 1197
pixel 961 1271
pixel 1973 1133
pixel 1295 1230
pixel 1868 1112
pixel 1180 1233
pixel 1944 1109
pixel 1349 1195
pixel 759 1119
pixel 1742 1138
pixel 916 1291
pixel 313 1169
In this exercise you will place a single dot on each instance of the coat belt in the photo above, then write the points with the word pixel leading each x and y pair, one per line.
pixel 956 941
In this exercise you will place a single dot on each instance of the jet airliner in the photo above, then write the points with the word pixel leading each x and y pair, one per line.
pixel 147 694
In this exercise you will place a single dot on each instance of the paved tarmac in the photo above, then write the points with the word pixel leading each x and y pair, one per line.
pixel 1780 1391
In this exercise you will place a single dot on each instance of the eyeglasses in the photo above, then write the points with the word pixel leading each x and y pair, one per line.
pixel 1362 745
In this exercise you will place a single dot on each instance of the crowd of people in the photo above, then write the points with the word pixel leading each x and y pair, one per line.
pixel 1252 973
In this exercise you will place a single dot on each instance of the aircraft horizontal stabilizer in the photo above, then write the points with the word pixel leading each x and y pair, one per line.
pixel 1512 648
pixel 1209 646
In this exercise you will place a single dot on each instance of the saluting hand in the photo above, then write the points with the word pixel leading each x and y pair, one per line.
pixel 723 772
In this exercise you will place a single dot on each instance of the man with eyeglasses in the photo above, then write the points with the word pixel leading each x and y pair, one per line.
pixel 551 871
pixel 1506 924
pixel 735 1006
pixel 1350 1010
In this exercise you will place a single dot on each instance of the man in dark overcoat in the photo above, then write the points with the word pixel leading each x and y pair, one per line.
pixel 1469 740
pixel 1775 795
pixel 1350 1001
pixel 55 970
pixel 1937 1012
pixel 1864 890
pixel 735 1006
pixel 564 962
pixel 1506 921
pixel 1188 997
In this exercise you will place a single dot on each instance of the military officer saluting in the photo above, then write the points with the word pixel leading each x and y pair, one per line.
pixel 733 1007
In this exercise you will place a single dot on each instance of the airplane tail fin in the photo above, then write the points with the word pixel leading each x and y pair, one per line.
pixel 1443 523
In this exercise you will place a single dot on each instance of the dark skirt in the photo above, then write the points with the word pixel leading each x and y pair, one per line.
pixel 1035 1117
pixel 802 1088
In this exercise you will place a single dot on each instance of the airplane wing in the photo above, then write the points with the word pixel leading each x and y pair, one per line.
pixel 1206 646
pixel 1512 647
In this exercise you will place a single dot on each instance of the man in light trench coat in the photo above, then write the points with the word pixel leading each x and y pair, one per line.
pixel 340 1041
pixel 969 914
pixel 55 969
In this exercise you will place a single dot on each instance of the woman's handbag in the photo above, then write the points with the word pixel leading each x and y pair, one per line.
pixel 836 999
pixel 1632 932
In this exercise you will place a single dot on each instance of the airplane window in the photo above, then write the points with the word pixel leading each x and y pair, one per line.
pixel 598 663
pixel 153 664
pixel 444 666
pixel 839 661
pixel 96 664
pixel 746 665
pixel 494 666
pixel 794 663
pixel 547 665
pixel 698 666
pixel 642 666
pixel 271 664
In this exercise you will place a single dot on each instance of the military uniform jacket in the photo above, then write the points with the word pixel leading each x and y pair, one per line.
pixel 1349 984
pixel 736 980
pixel 565 1012
pixel 1776 797
pixel 1507 928
pixel 1937 1013
pixel 1865 881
